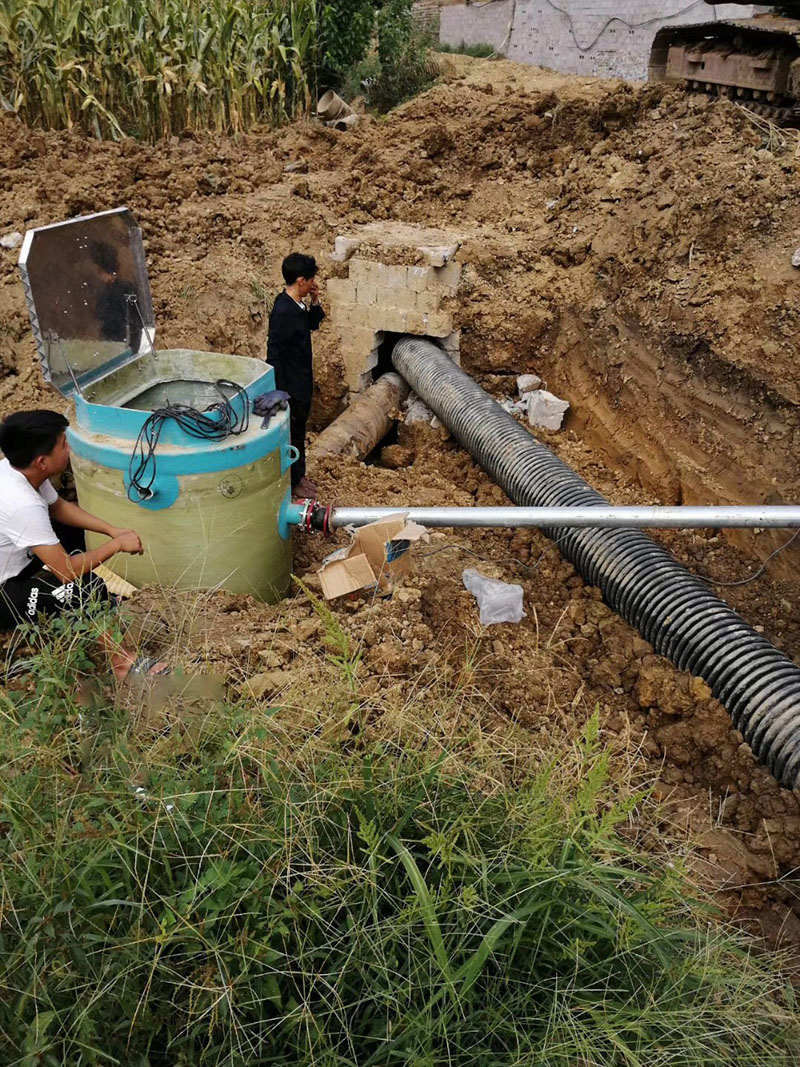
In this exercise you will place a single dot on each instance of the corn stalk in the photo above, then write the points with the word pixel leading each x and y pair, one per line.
pixel 153 68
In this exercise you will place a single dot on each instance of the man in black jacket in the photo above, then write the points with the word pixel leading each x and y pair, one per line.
pixel 289 352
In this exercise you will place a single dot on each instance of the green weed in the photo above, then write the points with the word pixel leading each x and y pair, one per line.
pixel 250 888
pixel 477 51
pixel 258 290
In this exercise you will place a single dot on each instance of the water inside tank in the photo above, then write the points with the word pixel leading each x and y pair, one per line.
pixel 193 392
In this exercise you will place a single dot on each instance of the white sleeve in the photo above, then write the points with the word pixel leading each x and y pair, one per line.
pixel 48 493
pixel 30 526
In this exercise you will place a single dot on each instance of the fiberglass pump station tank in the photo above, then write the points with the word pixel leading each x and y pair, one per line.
pixel 208 494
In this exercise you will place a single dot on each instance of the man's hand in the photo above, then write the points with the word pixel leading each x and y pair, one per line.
pixel 70 567
pixel 127 541
pixel 314 293
pixel 120 531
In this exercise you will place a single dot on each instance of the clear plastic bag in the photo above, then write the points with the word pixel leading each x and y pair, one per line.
pixel 498 601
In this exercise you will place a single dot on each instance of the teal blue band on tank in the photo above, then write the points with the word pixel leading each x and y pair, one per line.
pixel 127 422
pixel 206 456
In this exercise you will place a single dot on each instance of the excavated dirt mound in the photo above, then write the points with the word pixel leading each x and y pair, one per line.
pixel 632 245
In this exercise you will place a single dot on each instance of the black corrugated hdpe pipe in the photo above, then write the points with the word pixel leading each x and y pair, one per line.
pixel 675 611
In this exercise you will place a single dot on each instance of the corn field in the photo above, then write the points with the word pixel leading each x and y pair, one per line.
pixel 152 68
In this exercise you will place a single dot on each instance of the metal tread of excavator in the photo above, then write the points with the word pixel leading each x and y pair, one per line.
pixel 753 60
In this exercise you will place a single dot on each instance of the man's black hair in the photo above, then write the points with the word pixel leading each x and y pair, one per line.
pixel 297 266
pixel 105 256
pixel 26 435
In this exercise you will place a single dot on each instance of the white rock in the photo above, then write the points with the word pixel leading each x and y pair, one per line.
pixel 11 240
pixel 546 411
pixel 795 257
pixel 417 411
pixel 526 383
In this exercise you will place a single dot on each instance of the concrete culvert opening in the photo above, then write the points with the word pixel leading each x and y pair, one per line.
pixel 385 349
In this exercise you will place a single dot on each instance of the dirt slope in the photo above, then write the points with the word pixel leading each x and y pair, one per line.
pixel 630 244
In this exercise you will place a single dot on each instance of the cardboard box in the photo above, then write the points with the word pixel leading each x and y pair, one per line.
pixel 378 554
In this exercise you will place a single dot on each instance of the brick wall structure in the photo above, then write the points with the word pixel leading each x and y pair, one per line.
pixel 426 18
pixel 607 38
pixel 383 294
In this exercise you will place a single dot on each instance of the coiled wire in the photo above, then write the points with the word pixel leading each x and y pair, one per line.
pixel 220 420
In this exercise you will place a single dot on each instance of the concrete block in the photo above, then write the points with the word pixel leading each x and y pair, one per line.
pixel 341 315
pixel 361 270
pixel 364 382
pixel 449 276
pixel 415 323
pixel 340 291
pixel 420 278
pixel 440 255
pixel 354 377
pixel 343 248
pixel 390 319
pixel 452 346
pixel 439 324
pixel 392 277
pixel 361 340
pixel 366 293
pixel 403 299
pixel 351 317
pixel 428 302
pixel 358 367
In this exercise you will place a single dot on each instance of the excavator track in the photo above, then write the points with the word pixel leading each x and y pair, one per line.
pixel 780 114
pixel 755 62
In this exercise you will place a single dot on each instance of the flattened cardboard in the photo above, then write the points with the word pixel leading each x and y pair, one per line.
pixel 375 558
pixel 339 577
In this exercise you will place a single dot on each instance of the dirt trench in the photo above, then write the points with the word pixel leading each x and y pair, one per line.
pixel 630 245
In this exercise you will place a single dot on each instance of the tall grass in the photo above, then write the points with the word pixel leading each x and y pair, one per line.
pixel 151 68
pixel 256 884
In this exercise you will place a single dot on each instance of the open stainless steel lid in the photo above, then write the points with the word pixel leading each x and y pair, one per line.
pixel 88 296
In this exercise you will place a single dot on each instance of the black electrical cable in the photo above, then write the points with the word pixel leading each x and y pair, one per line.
pixel 217 422
pixel 755 574
pixel 527 567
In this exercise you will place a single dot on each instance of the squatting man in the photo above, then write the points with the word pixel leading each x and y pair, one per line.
pixel 37 575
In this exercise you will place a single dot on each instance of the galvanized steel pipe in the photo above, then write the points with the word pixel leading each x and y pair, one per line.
pixel 674 610
pixel 610 518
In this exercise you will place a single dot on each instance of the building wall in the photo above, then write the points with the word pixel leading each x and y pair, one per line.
pixel 475 23
pixel 607 38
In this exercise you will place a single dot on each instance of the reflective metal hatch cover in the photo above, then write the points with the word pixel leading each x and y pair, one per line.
pixel 88 296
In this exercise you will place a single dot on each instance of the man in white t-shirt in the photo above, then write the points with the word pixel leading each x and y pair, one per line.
pixel 35 447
